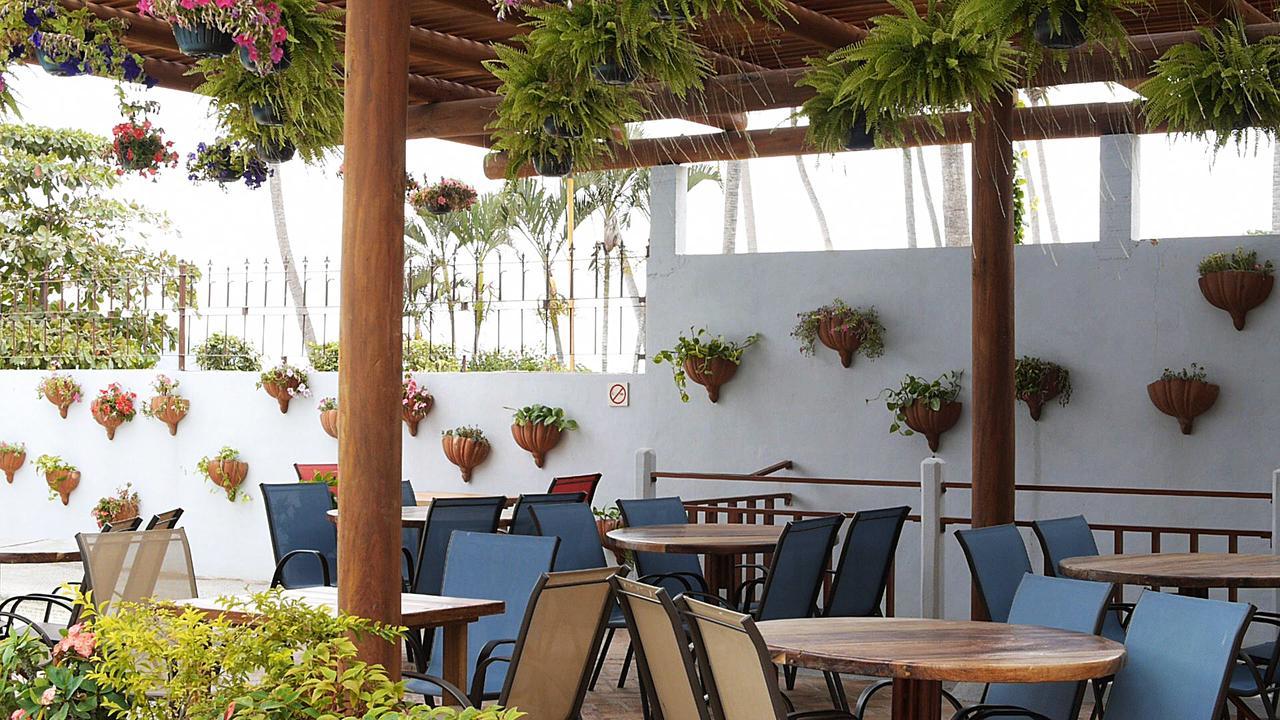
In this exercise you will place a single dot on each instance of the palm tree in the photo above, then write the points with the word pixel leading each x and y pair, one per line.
pixel 805 181
pixel 928 198
pixel 732 185
pixel 615 194
pixel 432 249
pixel 749 209
pixel 955 200
pixel 291 279
pixel 482 229
pixel 538 214
pixel 1037 96
pixel 909 198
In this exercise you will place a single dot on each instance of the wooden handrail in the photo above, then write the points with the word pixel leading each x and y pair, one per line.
pixel 654 476
pixel 1103 490
pixel 781 465
pixel 784 497
pixel 1153 529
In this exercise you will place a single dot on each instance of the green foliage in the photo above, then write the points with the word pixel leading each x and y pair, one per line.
pixel 702 347
pixel 608 512
pixel 8 448
pixel 469 432
pixel 1195 373
pixel 65 688
pixel 227 352
pixel 226 453
pixel 865 322
pixel 1238 261
pixel 1102 24
pixel 307 95
pixel 831 112
pixel 81 42
pixel 108 507
pixel 323 357
pixel 1224 85
pixel 543 415
pixel 422 356
pixel 59 385
pixel 937 393
pixel 22 654
pixel 1033 376
pixel 52 463
pixel 512 361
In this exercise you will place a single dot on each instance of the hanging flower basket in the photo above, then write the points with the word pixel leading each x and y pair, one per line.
pixel 444 197
pixel 226 470
pixel 548 164
pixel 114 407
pixel 200 40
pixel 12 458
pixel 1068 35
pixel 928 408
pixel 709 361
pixel 1184 395
pixel 225 161
pixel 1038 382
pixel 1236 283
pixel 537 429
pixel 266 114
pixel 931 423
pixel 465 447
pixel 563 130
pixel 61 478
pixel 616 73
pixel 140 148
pixel 249 61
pixel 167 406
pixel 843 329
pixel 202 28
pixel 328 408
pixel 276 153
pixel 60 390
pixel 118 508
pixel 415 405
pixel 284 383
pixel 64 68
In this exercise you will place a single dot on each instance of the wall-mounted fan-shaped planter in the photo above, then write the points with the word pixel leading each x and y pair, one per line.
pixel 63 482
pixel 1236 291
pixel 170 410
pixel 932 423
pixel 1183 399
pixel 1038 382
pixel 537 439
pixel 228 475
pixel 282 392
pixel 711 374
pixel 467 453
pixel 329 421
pixel 11 461
pixel 106 419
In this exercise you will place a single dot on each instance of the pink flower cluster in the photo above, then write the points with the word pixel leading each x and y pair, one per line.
pixel 79 641
pixel 256 25
pixel 416 398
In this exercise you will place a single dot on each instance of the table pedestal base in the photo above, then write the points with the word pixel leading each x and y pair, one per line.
pixel 917 699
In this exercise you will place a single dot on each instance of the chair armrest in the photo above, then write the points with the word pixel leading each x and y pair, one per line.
pixel 752 566
pixel 820 715
pixel 656 578
pixel 483 661
pixel 745 591
pixel 712 599
pixel 278 578
pixel 11 605
pixel 981 712
pixel 408 569
pixel 460 698
pixel 7 620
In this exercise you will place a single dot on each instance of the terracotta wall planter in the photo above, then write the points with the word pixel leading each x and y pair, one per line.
pixel 537 439
pixel 228 475
pixel 10 462
pixel 604 526
pixel 465 453
pixel 839 337
pixel 1183 399
pixel 1236 292
pixel 1049 391
pixel 106 420
pixel 329 421
pixel 718 372
pixel 411 419
pixel 932 423
pixel 63 482
pixel 126 512
pixel 280 391
pixel 169 410
pixel 62 402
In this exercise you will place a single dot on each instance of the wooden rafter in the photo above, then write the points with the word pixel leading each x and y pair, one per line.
pixel 1243 9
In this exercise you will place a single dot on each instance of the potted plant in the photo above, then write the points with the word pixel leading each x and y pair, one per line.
pixel 328 408
pixel 842 328
pixel 465 447
pixel 323 356
pixel 226 470
pixel 116 508
pixel 415 403
pixel 61 390
pixel 74 42
pixel 12 457
pixel 284 382
pixel 137 146
pixel 113 407
pixel 61 477
pixel 928 408
pixel 1037 382
pixel 1236 282
pixel 227 161
pixel 608 519
pixel 1222 86
pixel 537 428
pixel 214 28
pixel 167 405
pixel 836 121
pixel 1185 395
pixel 444 197
pixel 709 361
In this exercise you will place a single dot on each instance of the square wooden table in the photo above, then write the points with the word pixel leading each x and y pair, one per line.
pixel 417 612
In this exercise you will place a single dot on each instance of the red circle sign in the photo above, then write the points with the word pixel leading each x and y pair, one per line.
pixel 617 393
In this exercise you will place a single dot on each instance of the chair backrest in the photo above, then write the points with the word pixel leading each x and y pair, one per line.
pixel 1075 605
pixel 410 538
pixel 659 511
pixel 493 566
pixel 445 517
pixel 997 560
pixel 129 525
pixel 575 525
pixel 862 573
pixel 736 669
pixel 1180 652
pixel 522 524
pixel 576 483
pixel 407 496
pixel 799 562
pixel 167 520
pixel 307 471
pixel 1061 538
pixel 135 566
pixel 559 639
pixel 662 651
pixel 297 520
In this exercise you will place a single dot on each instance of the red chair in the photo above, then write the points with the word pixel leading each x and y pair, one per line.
pixel 576 484
pixel 307 471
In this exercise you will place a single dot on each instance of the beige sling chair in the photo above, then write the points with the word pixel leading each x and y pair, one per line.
pixel 669 682
pixel 134 566
pixel 737 672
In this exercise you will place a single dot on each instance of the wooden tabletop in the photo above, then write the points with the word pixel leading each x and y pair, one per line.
pixel 698 538
pixel 1180 570
pixel 941 650
pixel 426 496
pixel 418 611
pixel 39 551
pixel 416 517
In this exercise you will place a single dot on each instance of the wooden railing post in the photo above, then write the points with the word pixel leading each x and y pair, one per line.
pixel 1275 525
pixel 931 538
pixel 646 465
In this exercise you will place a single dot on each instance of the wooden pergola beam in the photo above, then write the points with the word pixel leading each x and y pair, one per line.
pixel 819 29
pixel 1222 9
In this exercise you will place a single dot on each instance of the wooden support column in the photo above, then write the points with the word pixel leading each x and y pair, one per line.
pixel 993 350
pixel 372 299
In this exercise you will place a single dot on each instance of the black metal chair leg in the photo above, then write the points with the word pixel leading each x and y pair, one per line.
pixel 626 665
pixel 835 686
pixel 604 653
pixel 789 675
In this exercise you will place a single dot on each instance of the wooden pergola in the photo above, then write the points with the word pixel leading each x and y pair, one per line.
pixel 415 69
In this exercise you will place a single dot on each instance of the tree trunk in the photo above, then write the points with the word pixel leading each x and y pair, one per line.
pixel 1033 196
pixel 291 278
pixel 553 312
pixel 1275 186
pixel 909 198
pixel 817 204
pixel 606 265
pixel 629 286
pixel 928 197
pixel 477 309
pixel 749 209
pixel 1036 97
pixel 732 181
pixel 955 202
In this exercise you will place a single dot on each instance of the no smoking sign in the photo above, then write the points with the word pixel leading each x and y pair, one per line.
pixel 619 394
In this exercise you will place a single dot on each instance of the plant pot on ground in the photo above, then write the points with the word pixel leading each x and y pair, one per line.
pixel 114 407
pixel 842 328
pixel 465 447
pixel 1037 382
pixel 226 470
pixel 537 429
pixel 709 361
pixel 12 457
pixel 328 408
pixel 1185 395
pixel 118 508
pixel 1236 282
pixel 416 402
pixel 60 390
pixel 928 408
pixel 61 477
pixel 284 382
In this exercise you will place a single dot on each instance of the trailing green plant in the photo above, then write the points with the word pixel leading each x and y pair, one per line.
pixel 914 389
pixel 468 432
pixel 832 113
pixel 323 356
pixel 607 512
pixel 52 463
pixel 1033 377
pixel 543 415
pixel 701 347
pixel 109 507
pixel 1238 261
pixel 865 322
pixel 1224 85
pixel 292 379
pixel 1100 23
pixel 226 453
pixel 1195 373
pixel 227 352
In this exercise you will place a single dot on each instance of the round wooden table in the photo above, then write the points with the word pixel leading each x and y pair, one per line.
pixel 1191 573
pixel 721 544
pixel 410 517
pixel 919 655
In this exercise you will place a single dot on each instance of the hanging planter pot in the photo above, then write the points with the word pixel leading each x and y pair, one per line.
pixel 1069 35
pixel 11 459
pixel 536 439
pixel 710 373
pixel 170 410
pixel 565 131
pixel 415 403
pixel 549 165
pixel 859 137
pixel 61 400
pixel 1183 398
pixel 1236 291
pixel 1047 392
pixel 127 511
pixel 841 337
pixel 1038 382
pixel 247 63
pixel 467 452
pixel 266 114
pixel 66 68
pixel 276 154
pixel 106 419
pixel 329 421
pixel 203 41
pixel 604 526
pixel 228 475
pixel 847 330
pixel 922 418
pixel 281 391
pixel 63 482
pixel 411 420
pixel 615 73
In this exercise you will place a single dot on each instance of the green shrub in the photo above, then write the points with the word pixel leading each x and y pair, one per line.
pixel 323 356
pixel 227 352
pixel 512 361
pixel 421 356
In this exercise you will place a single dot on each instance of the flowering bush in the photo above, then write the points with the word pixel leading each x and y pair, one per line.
pixel 57 387
pixel 256 25
pixel 291 379
pixel 227 161
pixel 111 507
pixel 327 404
pixel 445 196
pixel 62 689
pixel 417 401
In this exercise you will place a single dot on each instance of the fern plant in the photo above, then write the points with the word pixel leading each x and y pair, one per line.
pixel 1096 21
pixel 832 115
